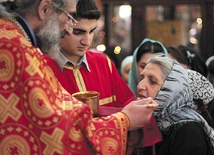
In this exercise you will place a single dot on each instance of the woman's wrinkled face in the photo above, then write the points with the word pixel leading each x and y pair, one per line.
pixel 151 81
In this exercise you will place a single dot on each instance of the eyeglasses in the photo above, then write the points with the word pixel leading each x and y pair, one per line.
pixel 74 21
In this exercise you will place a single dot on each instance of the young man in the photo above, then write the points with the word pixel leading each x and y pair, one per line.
pixel 79 69
pixel 37 116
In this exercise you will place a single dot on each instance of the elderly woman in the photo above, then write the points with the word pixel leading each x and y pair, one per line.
pixel 184 131
pixel 147 48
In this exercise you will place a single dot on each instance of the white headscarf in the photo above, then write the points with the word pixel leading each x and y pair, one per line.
pixel 127 60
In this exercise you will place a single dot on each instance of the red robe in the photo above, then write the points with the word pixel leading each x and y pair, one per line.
pixel 102 77
pixel 37 116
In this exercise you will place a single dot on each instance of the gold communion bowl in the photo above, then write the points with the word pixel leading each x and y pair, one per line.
pixel 91 98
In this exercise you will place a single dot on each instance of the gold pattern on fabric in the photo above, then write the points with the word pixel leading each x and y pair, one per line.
pixel 79 79
pixel 14 34
pixel 18 138
pixel 15 141
pixel 36 105
pixel 67 105
pixel 33 67
pixel 123 122
pixel 90 128
pixel 49 74
pixel 106 139
pixel 107 100
pixel 8 108
pixel 53 142
pixel 10 36
pixel 39 103
pixel 6 65
pixel 8 75
pixel 109 146
pixel 109 64
pixel 76 134
pixel 77 102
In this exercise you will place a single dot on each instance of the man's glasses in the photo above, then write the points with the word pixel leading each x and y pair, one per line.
pixel 74 21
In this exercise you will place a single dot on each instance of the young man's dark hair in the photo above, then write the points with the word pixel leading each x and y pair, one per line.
pixel 87 9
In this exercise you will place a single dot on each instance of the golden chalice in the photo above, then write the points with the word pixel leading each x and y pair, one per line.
pixel 91 98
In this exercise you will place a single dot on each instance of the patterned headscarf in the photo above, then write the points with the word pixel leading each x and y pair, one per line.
pixel 134 79
pixel 200 86
pixel 173 99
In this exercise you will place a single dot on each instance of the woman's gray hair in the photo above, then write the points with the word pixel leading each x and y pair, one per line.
pixel 165 64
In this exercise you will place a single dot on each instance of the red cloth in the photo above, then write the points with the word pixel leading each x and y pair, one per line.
pixel 151 136
pixel 38 116
pixel 152 133
pixel 105 111
pixel 103 77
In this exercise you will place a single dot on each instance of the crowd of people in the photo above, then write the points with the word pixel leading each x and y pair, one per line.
pixel 161 103
pixel 166 81
pixel 201 87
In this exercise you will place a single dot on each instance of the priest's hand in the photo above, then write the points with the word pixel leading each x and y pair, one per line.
pixel 139 112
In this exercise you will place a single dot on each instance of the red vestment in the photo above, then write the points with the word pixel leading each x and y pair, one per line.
pixel 37 116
